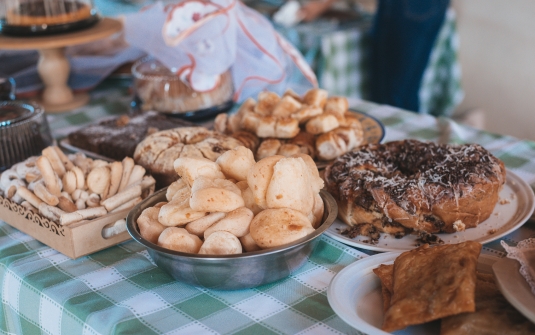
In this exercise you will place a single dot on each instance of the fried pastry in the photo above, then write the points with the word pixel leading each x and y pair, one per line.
pixel 432 283
pixel 493 316
pixel 385 273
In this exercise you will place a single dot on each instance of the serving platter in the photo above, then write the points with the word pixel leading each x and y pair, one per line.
pixel 355 295
pixel 519 203
pixel 514 287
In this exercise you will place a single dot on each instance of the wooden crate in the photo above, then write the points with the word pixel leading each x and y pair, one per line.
pixel 75 240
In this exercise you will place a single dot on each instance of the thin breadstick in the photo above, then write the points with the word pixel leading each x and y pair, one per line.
pixel 137 174
pixel 82 214
pixel 120 198
pixel 29 206
pixel 55 161
pixel 31 186
pixel 127 205
pixel 128 165
pixel 42 192
pixel 116 173
pixel 50 212
pixel 64 159
pixel 49 176
pixel 145 183
pixel 29 196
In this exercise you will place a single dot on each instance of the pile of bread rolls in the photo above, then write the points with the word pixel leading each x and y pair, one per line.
pixel 315 124
pixel 69 189
pixel 236 204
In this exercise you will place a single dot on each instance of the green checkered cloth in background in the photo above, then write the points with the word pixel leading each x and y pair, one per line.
pixel 120 290
pixel 338 55
pixel 342 71
pixel 440 91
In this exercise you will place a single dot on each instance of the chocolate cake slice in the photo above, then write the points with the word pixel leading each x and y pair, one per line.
pixel 118 137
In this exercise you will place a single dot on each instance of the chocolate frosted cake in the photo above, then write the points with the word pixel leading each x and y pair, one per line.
pixel 41 17
pixel 117 138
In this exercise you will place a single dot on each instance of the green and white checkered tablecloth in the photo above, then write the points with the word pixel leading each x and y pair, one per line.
pixel 120 290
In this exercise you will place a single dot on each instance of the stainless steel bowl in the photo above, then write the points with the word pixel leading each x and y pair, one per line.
pixel 230 272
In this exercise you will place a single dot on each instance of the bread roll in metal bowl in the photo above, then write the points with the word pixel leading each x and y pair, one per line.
pixel 231 272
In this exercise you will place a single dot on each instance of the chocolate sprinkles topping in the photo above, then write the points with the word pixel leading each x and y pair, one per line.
pixel 412 177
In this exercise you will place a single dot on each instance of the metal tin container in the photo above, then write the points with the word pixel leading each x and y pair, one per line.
pixel 24 132
pixel 231 272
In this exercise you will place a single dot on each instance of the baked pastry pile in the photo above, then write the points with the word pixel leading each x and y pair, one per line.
pixel 69 189
pixel 405 186
pixel 158 151
pixel 236 204
pixel 315 124
pixel 441 282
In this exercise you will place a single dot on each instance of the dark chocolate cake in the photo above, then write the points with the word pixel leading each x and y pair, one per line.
pixel 118 137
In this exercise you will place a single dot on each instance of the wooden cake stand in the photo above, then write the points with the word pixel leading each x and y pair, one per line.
pixel 54 68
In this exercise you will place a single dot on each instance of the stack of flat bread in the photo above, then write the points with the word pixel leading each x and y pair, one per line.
pixel 314 124
pixel 441 282
pixel 236 204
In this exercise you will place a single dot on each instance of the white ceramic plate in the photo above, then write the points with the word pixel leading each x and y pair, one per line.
pixel 514 287
pixel 505 218
pixel 355 295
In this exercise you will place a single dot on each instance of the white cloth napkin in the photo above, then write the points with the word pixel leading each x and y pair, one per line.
pixel 524 252
pixel 199 40
pixel 288 14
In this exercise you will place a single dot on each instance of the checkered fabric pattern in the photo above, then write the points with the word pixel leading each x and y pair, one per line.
pixel 120 290
pixel 440 91
pixel 338 55
pixel 342 72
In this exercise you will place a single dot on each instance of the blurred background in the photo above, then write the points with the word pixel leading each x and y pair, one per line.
pixel 478 71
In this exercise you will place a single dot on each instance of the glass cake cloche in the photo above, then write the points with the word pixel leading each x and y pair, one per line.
pixel 44 17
